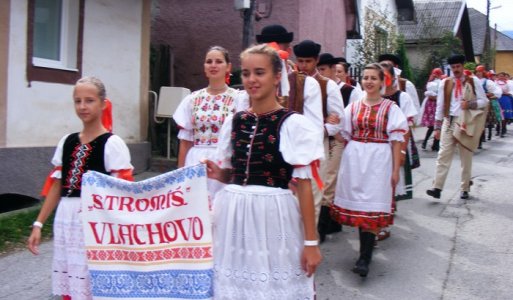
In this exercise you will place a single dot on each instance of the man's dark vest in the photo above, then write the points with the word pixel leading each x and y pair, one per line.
pixel 256 157
pixel 448 86
pixel 346 91
pixel 402 84
pixel 78 158
pixel 395 97
pixel 295 100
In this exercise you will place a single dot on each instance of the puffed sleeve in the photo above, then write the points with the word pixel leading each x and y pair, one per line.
pixel 224 146
pixel 242 101
pixel 493 88
pixel 300 144
pixel 397 125
pixel 407 105
pixel 57 159
pixel 117 155
pixel 183 118
pixel 482 100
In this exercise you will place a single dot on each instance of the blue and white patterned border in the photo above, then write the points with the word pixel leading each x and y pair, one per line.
pixel 184 284
pixel 93 178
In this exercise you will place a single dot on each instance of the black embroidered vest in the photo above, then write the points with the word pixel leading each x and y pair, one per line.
pixel 395 97
pixel 346 91
pixel 79 158
pixel 256 158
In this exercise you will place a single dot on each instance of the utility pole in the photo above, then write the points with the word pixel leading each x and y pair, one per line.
pixel 487 53
pixel 247 31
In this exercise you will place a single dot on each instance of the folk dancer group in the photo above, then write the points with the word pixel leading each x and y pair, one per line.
pixel 302 150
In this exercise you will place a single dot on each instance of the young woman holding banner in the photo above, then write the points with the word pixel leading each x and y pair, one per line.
pixel 265 240
pixel 93 148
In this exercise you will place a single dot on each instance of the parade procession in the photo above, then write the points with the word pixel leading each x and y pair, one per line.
pixel 256 149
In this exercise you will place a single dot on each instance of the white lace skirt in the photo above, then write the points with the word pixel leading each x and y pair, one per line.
pixel 70 273
pixel 258 242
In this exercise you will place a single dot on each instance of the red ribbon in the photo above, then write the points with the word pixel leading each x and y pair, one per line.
pixel 49 181
pixel 315 165
pixel 107 115
pixel 458 91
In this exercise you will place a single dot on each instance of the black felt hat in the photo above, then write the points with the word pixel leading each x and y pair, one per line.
pixel 456 59
pixel 329 59
pixel 307 48
pixel 274 33
pixel 391 57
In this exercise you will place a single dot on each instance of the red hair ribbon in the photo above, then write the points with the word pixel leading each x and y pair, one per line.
pixel 388 79
pixel 283 54
pixel 437 72
pixel 107 115
pixel 480 68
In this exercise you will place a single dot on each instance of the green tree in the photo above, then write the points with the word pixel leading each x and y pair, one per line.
pixel 437 53
pixel 401 53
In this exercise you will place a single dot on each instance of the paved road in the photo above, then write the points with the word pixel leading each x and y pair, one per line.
pixel 446 249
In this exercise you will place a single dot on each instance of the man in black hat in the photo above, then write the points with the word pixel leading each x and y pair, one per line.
pixel 327 67
pixel 297 91
pixel 307 57
pixel 402 84
pixel 458 97
pixel 278 34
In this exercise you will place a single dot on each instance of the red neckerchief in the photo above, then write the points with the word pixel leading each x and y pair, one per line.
pixel 458 91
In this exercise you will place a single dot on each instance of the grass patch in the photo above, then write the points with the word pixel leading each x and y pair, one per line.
pixel 16 226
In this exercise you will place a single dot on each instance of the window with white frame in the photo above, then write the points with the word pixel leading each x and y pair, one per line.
pixel 381 40
pixel 55 34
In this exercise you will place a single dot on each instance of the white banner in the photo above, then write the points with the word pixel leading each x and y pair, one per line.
pixel 150 239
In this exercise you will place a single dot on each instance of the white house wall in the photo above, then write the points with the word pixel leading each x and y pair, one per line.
pixel 40 114
pixel 388 6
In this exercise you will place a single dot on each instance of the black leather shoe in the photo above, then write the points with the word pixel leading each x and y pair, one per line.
pixel 361 267
pixel 464 195
pixel 434 192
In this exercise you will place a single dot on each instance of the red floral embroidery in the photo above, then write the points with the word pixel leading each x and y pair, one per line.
pixel 269 157
pixel 270 181
pixel 271 139
pixel 214 128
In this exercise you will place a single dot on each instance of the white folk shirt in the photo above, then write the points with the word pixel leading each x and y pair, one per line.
pixel 455 107
pixel 335 106
pixel 491 87
pixel 356 93
pixel 312 103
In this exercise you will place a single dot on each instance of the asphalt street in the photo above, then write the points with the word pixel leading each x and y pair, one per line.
pixel 439 249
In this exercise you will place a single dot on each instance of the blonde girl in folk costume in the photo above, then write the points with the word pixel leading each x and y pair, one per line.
pixel 93 148
pixel 374 129
pixel 201 115
pixel 265 239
